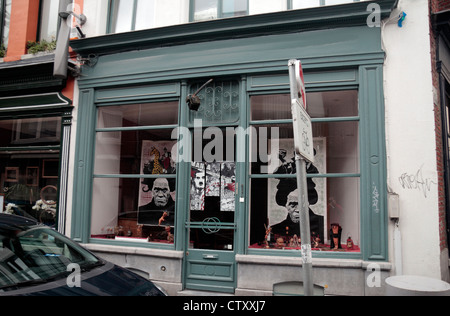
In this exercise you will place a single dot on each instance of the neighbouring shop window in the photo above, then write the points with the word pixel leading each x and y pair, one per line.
pixel 213 9
pixel 131 15
pixel 303 4
pixel 134 175
pixel 29 167
pixel 333 179
pixel 5 19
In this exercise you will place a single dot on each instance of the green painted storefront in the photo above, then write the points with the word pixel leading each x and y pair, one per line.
pixel 339 52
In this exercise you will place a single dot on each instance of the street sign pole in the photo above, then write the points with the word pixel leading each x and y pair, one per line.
pixel 303 150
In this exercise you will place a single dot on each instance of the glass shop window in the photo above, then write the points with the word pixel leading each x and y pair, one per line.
pixel 135 173
pixel 131 15
pixel 303 4
pixel 333 179
pixel 29 168
pixel 215 9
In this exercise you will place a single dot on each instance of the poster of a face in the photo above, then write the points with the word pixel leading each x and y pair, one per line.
pixel 157 195
pixel 282 199
pixel 198 177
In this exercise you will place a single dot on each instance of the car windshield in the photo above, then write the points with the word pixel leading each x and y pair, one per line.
pixel 38 254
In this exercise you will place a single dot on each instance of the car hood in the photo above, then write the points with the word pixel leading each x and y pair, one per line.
pixel 106 280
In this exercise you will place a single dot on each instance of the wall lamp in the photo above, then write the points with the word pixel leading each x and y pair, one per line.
pixel 62 44
pixel 193 101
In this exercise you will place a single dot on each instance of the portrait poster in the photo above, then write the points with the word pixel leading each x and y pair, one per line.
pixel 216 179
pixel 286 165
pixel 157 195
pixel 198 177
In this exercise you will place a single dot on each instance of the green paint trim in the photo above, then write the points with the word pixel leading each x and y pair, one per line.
pixel 326 17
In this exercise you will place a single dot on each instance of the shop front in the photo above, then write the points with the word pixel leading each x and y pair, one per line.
pixel 35 125
pixel 206 199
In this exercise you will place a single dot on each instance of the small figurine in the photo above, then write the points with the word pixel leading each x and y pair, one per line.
pixel 294 242
pixel 350 243
pixel 315 240
pixel 163 218
pixel 335 234
pixel 267 236
pixel 170 237
pixel 139 230
pixel 280 243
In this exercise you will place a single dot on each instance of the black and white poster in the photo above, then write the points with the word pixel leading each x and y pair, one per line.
pixel 216 179
pixel 283 194
pixel 157 195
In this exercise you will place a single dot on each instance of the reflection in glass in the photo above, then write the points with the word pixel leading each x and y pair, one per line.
pixel 205 10
pixel 210 237
pixel 148 114
pixel 319 105
pixel 135 152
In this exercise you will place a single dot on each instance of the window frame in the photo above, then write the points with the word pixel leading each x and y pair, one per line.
pixel 355 175
pixel 41 18
pixel 219 11
pixel 104 98
pixel 137 176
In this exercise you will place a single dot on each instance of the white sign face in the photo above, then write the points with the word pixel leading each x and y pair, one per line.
pixel 304 143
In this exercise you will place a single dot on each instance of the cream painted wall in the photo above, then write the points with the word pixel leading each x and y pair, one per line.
pixel 411 142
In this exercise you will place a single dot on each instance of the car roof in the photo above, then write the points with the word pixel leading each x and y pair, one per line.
pixel 14 223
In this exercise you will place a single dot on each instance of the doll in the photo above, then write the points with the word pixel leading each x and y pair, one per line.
pixel 335 235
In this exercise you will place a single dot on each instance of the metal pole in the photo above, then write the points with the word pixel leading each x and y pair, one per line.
pixel 303 202
pixel 305 230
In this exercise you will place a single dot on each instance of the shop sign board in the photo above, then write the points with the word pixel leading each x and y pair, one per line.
pixel 304 143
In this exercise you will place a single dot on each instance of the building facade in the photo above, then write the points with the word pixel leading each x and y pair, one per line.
pixel 206 199
pixel 35 114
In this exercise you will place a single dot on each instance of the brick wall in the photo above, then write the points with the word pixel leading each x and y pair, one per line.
pixel 441 5
pixel 438 6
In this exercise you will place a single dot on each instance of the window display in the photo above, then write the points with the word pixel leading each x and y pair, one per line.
pixel 135 173
pixel 333 179
pixel 29 167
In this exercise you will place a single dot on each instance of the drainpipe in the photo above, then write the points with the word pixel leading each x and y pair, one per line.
pixel 398 249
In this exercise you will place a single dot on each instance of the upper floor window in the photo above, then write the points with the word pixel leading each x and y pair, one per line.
pixel 303 4
pixel 202 10
pixel 131 15
pixel 5 13
pixel 48 20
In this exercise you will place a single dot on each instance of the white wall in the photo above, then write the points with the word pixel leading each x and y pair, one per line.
pixel 411 142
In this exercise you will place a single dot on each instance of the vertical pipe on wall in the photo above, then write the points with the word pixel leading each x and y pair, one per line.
pixel 398 249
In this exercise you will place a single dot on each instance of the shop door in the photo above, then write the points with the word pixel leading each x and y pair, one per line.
pixel 211 226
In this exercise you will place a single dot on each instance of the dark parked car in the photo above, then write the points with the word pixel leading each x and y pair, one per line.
pixel 35 260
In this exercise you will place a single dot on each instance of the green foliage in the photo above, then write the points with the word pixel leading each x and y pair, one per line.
pixel 42 46
pixel 2 51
